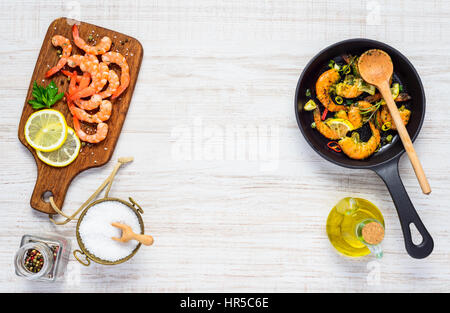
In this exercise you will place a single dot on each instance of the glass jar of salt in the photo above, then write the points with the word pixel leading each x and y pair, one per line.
pixel 41 258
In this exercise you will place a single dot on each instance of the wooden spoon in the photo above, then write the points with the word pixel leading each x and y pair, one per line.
pixel 376 68
pixel 128 234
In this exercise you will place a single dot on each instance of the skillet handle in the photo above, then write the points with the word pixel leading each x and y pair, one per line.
pixel 405 210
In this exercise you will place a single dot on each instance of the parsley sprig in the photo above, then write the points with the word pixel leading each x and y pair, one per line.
pixel 45 97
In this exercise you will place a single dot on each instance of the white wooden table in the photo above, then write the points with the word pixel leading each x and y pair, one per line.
pixel 250 221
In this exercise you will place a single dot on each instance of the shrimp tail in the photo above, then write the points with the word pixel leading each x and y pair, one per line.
pixel 75 34
pixel 56 68
pixel 51 72
pixel 119 91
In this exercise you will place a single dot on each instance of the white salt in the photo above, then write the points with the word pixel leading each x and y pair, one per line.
pixel 96 230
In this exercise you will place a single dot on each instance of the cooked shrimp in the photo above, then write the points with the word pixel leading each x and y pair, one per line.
pixel 323 128
pixel 102 115
pixel 341 114
pixel 354 148
pixel 99 73
pixel 69 74
pixel 94 102
pixel 346 90
pixel 354 114
pixel 117 58
pixel 75 60
pixel 113 84
pixel 323 85
pixel 103 46
pixel 64 43
pixel 386 117
pixel 102 131
pixel 83 82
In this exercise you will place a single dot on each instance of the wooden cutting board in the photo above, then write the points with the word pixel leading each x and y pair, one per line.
pixel 57 180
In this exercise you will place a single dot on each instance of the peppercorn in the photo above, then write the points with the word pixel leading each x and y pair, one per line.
pixel 34 261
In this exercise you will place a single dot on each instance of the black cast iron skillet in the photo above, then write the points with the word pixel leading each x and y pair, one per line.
pixel 385 161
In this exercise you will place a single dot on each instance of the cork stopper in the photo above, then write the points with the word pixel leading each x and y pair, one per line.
pixel 373 233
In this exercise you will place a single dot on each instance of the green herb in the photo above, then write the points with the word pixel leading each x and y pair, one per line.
pixel 308 92
pixel 400 88
pixel 45 97
pixel 333 64
pixel 389 138
pixel 370 110
pixel 346 69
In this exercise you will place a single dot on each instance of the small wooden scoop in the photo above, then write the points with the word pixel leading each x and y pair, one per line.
pixel 128 234
pixel 376 68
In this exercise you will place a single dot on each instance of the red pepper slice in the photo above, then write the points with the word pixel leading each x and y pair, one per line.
pixel 324 115
pixel 334 145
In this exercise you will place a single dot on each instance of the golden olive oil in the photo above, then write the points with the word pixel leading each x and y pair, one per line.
pixel 346 223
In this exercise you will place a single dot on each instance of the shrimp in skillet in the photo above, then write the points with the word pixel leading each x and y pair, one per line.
pixel 102 115
pixel 117 58
pixel 102 47
pixel 341 114
pixel 347 89
pixel 357 149
pixel 102 131
pixel 354 114
pixel 323 128
pixel 323 85
pixel 386 117
pixel 64 43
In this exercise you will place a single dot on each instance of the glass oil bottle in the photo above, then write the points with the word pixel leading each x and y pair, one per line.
pixel 355 228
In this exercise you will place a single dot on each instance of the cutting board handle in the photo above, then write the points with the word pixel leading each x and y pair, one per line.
pixel 54 187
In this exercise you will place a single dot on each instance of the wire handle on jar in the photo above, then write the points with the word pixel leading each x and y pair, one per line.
pixel 87 262
pixel 106 184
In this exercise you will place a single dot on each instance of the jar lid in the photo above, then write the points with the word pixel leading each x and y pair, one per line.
pixel 373 233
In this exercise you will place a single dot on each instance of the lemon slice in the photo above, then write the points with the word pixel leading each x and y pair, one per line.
pixel 310 105
pixel 340 126
pixel 46 130
pixel 395 90
pixel 66 154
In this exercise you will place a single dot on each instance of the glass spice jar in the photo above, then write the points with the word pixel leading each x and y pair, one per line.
pixel 41 258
